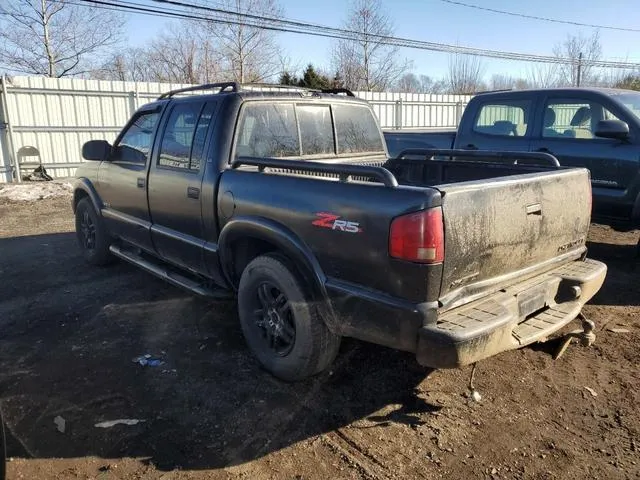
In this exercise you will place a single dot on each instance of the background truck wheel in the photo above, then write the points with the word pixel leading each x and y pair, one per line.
pixel 282 329
pixel 93 238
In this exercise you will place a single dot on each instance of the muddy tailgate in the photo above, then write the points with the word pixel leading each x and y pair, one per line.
pixel 509 229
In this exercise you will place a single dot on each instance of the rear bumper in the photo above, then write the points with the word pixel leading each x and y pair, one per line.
pixel 522 314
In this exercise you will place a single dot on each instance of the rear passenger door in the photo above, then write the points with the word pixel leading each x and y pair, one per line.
pixel 175 184
pixel 499 124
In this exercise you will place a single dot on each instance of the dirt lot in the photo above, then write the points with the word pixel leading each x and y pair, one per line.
pixel 69 334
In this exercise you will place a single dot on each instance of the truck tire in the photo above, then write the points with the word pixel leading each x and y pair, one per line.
pixel 93 239
pixel 282 328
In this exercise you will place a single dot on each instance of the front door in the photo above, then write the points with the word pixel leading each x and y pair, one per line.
pixel 122 180
pixel 567 131
pixel 175 184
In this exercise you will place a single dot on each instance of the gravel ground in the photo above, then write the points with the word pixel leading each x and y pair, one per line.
pixel 70 333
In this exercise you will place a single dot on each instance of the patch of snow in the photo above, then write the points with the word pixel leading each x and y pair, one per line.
pixel 32 191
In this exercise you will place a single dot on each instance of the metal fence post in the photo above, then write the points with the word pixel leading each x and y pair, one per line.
pixel 14 164
pixel 459 108
pixel 398 114
pixel 133 103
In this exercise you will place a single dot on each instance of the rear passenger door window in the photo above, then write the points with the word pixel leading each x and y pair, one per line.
pixel 573 119
pixel 178 137
pixel 504 119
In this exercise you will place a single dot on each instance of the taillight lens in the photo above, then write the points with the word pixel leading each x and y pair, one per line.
pixel 418 237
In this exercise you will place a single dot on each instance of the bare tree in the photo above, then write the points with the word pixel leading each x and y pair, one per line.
pixel 579 52
pixel 179 55
pixel 248 53
pixel 543 75
pixel 465 74
pixel 55 38
pixel 409 83
pixel 363 62
pixel 429 85
pixel 500 81
pixel 129 65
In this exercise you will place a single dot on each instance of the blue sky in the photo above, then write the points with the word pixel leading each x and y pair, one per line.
pixel 436 21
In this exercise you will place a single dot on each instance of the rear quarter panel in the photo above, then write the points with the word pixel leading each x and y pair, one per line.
pixel 309 207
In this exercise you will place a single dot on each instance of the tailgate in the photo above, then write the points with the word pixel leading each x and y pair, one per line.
pixel 508 229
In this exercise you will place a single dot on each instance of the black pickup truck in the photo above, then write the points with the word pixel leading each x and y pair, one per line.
pixel 288 200
pixel 594 128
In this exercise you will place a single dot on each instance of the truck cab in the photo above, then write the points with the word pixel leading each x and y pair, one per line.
pixel 593 128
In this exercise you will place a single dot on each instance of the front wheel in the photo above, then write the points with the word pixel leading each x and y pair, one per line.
pixel 280 324
pixel 91 234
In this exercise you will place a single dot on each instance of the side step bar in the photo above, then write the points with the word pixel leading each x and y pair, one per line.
pixel 160 270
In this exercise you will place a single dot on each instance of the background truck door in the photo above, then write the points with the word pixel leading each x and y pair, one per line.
pixel 566 128
pixel 175 184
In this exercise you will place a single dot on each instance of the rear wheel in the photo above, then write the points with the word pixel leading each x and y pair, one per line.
pixel 280 323
pixel 92 236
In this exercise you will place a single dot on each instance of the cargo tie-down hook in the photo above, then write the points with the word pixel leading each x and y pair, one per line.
pixel 586 336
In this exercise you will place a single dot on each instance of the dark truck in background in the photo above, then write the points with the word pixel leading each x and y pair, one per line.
pixel 598 129
pixel 288 200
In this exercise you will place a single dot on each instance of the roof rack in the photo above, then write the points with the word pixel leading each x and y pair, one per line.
pixel 227 87
pixel 337 91
pixel 224 86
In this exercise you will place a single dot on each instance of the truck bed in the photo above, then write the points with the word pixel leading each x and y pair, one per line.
pixel 503 222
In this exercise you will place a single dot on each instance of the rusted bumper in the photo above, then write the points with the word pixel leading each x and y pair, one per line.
pixel 520 315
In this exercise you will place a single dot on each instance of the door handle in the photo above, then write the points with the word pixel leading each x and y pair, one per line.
pixel 534 209
pixel 141 182
pixel 471 146
pixel 193 192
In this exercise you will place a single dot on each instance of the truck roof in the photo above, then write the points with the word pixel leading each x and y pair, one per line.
pixel 601 90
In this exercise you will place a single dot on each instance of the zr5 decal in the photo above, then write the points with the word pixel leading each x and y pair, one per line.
pixel 334 222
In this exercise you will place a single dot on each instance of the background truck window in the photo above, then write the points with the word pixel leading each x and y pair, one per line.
pixel 573 119
pixel 503 119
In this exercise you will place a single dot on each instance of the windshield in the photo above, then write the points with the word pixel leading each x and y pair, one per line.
pixel 631 101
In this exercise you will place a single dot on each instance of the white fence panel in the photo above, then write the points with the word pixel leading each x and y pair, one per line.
pixel 416 110
pixel 58 115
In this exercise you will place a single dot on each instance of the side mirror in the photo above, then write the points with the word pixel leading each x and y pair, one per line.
pixel 612 129
pixel 98 150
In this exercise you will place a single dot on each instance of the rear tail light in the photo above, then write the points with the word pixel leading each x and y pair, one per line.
pixel 418 237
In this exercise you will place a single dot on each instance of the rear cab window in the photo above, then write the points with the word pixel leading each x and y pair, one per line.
pixel 306 130
pixel 504 118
